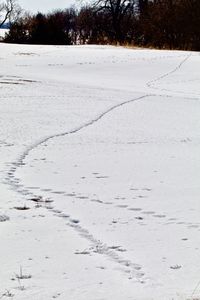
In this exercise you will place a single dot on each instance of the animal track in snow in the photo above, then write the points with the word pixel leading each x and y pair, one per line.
pixel 4 218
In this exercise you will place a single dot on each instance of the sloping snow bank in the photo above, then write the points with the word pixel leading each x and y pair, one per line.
pixel 99 173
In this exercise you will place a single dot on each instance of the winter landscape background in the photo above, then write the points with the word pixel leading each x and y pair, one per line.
pixel 100 169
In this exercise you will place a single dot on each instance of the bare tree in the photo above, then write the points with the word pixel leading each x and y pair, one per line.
pixel 7 8
pixel 142 5
pixel 118 10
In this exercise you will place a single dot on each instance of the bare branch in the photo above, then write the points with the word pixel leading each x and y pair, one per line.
pixel 7 7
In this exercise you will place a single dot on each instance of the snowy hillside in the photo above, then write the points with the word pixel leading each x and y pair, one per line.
pixel 3 33
pixel 100 168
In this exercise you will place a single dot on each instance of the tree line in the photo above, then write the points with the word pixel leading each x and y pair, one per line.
pixel 169 24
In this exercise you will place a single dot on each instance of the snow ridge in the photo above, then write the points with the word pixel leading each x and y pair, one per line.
pixel 134 270
pixel 151 83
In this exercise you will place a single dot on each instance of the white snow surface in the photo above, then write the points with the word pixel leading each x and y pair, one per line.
pixel 3 33
pixel 106 140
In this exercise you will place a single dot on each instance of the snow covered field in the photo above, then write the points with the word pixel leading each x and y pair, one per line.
pixel 3 33
pixel 99 173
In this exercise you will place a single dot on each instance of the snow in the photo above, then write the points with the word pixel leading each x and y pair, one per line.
pixel 3 33
pixel 99 176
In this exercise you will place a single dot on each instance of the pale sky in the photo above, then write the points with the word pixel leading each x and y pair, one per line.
pixel 45 5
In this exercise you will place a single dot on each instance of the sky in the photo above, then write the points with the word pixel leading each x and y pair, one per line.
pixel 45 5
